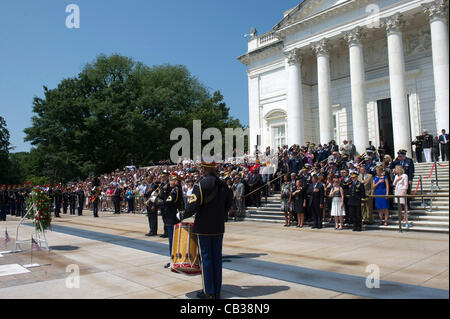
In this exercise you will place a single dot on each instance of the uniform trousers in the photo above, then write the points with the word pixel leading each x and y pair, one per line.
pixel 65 208
pixel 355 213
pixel 211 262
pixel 170 234
pixel 57 209
pixel 80 209
pixel 3 211
pixel 152 220
pixel 72 209
pixel 316 215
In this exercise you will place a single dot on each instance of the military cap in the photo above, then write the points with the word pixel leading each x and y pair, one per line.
pixel 208 164
pixel 402 152
pixel 354 174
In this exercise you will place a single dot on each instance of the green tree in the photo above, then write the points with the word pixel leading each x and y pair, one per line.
pixel 117 112
pixel 4 152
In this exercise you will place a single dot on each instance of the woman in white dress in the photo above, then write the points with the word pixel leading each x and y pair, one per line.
pixel 337 203
pixel 401 187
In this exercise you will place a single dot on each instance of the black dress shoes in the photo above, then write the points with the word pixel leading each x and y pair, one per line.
pixel 164 236
pixel 202 295
pixel 167 265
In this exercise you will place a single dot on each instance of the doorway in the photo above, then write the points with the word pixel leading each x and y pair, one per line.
pixel 385 125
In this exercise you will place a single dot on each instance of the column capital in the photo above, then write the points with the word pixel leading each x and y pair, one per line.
pixel 293 56
pixel 393 23
pixel 436 10
pixel 354 36
pixel 321 47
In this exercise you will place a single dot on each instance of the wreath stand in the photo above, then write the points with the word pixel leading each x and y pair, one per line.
pixel 40 234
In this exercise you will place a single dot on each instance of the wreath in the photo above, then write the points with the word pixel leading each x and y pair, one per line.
pixel 40 214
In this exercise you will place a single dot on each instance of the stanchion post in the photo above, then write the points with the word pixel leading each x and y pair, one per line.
pixel 399 216
pixel 421 191
pixel 436 174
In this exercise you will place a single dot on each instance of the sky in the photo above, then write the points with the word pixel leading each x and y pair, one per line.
pixel 37 48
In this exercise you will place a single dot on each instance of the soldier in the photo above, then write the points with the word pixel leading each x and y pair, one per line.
pixel 72 201
pixel 20 211
pixel 81 198
pixel 367 180
pixel 164 193
pixel 173 203
pixel 210 202
pixel 152 208
pixel 58 200
pixel 345 184
pixel 65 196
pixel 12 199
pixel 356 198
pixel 95 196
pixel 4 203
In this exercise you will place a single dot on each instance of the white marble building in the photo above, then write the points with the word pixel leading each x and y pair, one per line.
pixel 350 69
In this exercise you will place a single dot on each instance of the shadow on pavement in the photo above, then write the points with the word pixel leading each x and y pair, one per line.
pixel 230 291
pixel 64 247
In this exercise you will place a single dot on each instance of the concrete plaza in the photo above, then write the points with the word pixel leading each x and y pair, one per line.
pixel 261 260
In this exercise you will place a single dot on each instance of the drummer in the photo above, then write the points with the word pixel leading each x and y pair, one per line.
pixel 210 202
pixel 172 203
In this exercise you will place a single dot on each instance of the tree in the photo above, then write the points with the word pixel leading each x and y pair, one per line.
pixel 117 111
pixel 4 152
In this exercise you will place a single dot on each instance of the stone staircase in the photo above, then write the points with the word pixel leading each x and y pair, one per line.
pixel 420 217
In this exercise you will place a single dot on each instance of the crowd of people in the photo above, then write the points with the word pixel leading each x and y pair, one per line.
pixel 315 183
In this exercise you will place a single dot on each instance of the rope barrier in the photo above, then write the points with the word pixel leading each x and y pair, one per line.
pixel 442 165
pixel 417 187
pixel 432 168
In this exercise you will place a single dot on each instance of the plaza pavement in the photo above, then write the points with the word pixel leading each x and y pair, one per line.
pixel 261 260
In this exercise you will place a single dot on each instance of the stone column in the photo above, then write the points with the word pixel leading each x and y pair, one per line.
pixel 358 88
pixel 294 98
pixel 437 12
pixel 399 102
pixel 321 48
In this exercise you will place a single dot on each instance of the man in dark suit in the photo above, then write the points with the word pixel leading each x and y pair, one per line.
pixel 357 195
pixel 210 202
pixel 443 140
pixel 315 202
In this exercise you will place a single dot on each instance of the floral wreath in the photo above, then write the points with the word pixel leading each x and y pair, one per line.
pixel 40 214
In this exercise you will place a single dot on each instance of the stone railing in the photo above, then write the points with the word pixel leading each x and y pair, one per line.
pixel 266 38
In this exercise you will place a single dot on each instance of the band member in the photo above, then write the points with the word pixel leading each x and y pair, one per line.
pixel 173 203
pixel 152 208
pixel 81 198
pixel 12 200
pixel 163 194
pixel 357 195
pixel 210 202
pixel 4 203
pixel 65 195
pixel 58 201
pixel 72 201
pixel 95 196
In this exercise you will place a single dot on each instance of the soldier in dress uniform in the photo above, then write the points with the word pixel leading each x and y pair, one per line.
pixel 152 208
pixel 72 201
pixel 345 184
pixel 58 200
pixel 163 194
pixel 20 211
pixel 356 199
pixel 81 199
pixel 173 204
pixel 4 203
pixel 210 202
pixel 367 180
pixel 95 196
pixel 65 196
pixel 12 199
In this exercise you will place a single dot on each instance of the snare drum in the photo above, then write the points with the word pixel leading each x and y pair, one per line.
pixel 184 258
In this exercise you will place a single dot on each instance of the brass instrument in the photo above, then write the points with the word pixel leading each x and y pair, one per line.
pixel 153 196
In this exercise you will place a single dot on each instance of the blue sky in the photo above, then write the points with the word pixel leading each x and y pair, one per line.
pixel 37 49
